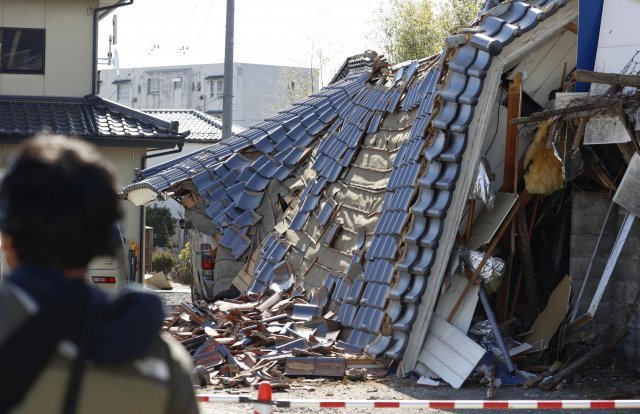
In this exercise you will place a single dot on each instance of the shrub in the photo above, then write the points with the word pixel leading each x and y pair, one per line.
pixel 182 272
pixel 163 262
pixel 163 225
pixel 182 275
pixel 185 255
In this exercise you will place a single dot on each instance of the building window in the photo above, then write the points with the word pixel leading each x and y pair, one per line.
pixel 22 50
pixel 123 92
pixel 217 114
pixel 153 86
pixel 216 87
pixel 177 83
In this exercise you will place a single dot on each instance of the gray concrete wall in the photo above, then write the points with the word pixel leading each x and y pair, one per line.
pixel 589 211
pixel 259 90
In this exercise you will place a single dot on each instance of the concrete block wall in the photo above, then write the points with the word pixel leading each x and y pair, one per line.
pixel 588 214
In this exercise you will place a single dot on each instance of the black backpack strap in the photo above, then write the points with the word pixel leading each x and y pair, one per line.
pixel 78 367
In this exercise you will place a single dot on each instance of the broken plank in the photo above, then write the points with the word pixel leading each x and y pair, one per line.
pixel 604 103
pixel 488 222
pixel 447 300
pixel 607 78
pixel 450 353
pixel 554 380
pixel 547 323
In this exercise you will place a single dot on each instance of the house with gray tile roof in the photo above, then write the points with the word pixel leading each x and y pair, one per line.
pixel 360 193
pixel 48 84
pixel 202 127
pixel 373 166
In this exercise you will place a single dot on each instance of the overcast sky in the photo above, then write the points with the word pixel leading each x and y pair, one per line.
pixel 274 32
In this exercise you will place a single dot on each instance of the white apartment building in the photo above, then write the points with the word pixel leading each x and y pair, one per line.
pixel 259 90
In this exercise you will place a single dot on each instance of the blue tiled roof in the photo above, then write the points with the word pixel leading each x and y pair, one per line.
pixel 91 116
pixel 392 272
pixel 202 127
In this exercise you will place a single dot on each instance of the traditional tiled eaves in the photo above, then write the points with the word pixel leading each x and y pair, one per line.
pixel 467 60
pixel 203 128
pixel 91 116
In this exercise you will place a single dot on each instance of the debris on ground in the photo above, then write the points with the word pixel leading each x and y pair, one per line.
pixel 239 342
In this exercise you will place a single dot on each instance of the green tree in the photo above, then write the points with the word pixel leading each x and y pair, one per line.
pixel 413 29
pixel 163 225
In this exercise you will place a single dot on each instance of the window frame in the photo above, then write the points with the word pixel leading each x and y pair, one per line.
pixel 22 71
pixel 149 92
pixel 128 88
pixel 177 83
pixel 219 92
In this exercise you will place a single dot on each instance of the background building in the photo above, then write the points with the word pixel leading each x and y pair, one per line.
pixel 47 83
pixel 259 90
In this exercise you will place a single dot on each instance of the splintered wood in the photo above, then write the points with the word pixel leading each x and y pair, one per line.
pixel 240 342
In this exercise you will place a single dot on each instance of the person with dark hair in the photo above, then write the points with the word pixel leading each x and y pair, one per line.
pixel 66 346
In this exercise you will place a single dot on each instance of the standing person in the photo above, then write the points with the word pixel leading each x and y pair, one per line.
pixel 67 347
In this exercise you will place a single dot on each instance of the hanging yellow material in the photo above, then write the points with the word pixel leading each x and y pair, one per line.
pixel 543 170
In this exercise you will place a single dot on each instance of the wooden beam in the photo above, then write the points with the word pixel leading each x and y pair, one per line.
pixel 607 78
pixel 520 204
pixel 604 103
pixel 550 382
pixel 526 261
pixel 572 27
pixel 471 211
pixel 510 181
pixel 514 103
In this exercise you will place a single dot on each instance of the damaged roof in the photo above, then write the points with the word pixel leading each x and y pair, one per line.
pixel 202 127
pixel 89 117
pixel 374 166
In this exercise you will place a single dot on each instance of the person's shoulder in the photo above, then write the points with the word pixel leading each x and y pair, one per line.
pixel 177 353
pixel 182 398
pixel 15 307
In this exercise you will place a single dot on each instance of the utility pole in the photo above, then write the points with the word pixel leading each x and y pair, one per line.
pixel 227 97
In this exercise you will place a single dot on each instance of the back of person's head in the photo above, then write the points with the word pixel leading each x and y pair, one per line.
pixel 58 203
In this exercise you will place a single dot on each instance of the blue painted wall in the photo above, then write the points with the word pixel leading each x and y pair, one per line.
pixel 590 13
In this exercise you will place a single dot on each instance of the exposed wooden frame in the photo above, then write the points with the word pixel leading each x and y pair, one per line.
pixel 572 27
pixel 607 78
pixel 510 56
pixel 514 106
pixel 591 107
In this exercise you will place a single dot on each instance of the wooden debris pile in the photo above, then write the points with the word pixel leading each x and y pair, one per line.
pixel 238 342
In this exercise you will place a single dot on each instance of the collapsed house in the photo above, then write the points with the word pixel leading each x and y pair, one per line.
pixel 401 196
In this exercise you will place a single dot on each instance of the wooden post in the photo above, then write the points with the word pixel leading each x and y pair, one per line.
pixel 514 101
pixel 510 181
pixel 527 265
pixel 471 211
pixel 615 79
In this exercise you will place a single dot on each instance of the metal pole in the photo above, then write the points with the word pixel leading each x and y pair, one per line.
pixel 496 330
pixel 576 301
pixel 227 98
pixel 611 262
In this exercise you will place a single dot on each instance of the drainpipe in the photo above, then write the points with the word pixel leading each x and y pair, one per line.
pixel 143 165
pixel 94 62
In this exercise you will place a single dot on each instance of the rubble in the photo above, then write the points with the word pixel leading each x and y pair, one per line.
pixel 236 342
